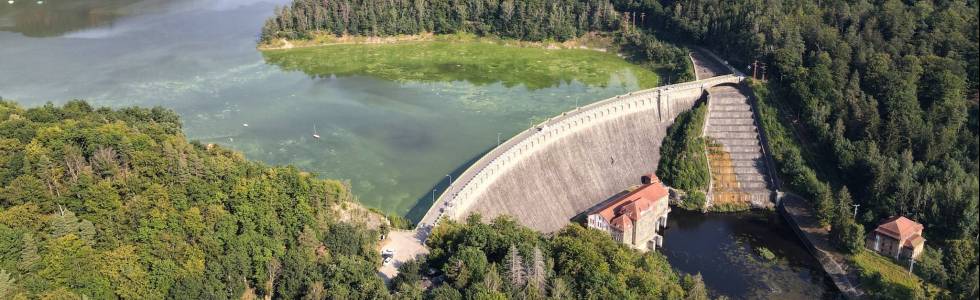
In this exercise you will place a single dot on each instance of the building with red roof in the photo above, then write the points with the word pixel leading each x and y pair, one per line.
pixel 898 237
pixel 635 218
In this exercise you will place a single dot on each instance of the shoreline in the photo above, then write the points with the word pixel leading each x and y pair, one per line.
pixel 591 41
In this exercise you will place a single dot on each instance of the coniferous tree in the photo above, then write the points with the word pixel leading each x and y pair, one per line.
pixel 515 268
pixel 558 289
pixel 536 274
pixel 28 254
pixel 7 286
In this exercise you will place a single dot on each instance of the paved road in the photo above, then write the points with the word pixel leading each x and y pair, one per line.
pixel 799 214
pixel 707 65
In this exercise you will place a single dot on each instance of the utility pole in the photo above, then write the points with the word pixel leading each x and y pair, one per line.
pixel 763 72
pixel 911 264
pixel 855 210
pixel 626 21
pixel 634 21
pixel 755 66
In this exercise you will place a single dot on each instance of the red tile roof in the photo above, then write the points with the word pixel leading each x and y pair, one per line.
pixel 900 228
pixel 914 241
pixel 622 222
pixel 634 203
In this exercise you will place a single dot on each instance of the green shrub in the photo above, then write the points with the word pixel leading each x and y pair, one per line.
pixel 683 164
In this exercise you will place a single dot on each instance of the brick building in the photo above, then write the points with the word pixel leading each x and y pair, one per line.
pixel 897 237
pixel 636 218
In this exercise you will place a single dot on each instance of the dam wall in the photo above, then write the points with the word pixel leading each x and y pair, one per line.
pixel 560 168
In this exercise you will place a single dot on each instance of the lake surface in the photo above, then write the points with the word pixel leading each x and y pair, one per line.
pixel 395 141
pixel 724 248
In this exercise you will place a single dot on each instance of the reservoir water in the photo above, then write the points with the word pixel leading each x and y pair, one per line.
pixel 727 249
pixel 395 141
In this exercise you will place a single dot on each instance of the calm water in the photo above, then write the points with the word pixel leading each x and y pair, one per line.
pixel 395 141
pixel 724 249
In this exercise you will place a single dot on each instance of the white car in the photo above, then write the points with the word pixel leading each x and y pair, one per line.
pixel 388 252
pixel 387 261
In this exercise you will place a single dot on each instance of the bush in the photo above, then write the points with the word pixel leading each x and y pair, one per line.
pixel 730 207
pixel 693 201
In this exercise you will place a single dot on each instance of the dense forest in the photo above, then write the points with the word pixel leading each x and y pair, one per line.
pixel 117 204
pixel 880 104
pixel 504 260
pixel 520 19
pixel 110 204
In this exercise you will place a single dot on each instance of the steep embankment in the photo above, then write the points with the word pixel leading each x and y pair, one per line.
pixel 105 203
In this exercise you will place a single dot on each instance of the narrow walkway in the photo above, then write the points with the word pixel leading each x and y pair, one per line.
pixel 799 215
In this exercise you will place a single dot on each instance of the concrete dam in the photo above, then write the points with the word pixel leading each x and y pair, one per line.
pixel 560 168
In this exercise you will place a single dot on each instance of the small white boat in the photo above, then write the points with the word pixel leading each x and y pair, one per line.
pixel 315 134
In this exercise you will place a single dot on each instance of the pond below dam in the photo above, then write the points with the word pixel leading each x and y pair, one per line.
pixel 727 250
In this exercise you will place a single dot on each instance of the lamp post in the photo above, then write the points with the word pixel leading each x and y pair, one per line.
pixel 911 264
pixel 450 179
pixel 498 139
pixel 433 195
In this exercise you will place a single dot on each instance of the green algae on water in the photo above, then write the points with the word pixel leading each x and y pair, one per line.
pixel 475 61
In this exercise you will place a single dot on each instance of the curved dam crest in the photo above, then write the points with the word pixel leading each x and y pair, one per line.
pixel 557 169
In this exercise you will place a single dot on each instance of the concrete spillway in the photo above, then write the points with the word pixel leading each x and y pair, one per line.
pixel 562 167
pixel 739 170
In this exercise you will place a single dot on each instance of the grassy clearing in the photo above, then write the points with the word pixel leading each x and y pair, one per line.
pixel 460 57
pixel 888 279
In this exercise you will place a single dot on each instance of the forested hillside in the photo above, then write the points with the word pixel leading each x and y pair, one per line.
pixel 880 97
pixel 504 260
pixel 109 204
pixel 519 19
pixel 117 204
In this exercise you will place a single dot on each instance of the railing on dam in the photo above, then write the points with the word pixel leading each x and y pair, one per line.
pixel 460 195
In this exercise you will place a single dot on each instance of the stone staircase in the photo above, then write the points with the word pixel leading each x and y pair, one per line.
pixel 739 174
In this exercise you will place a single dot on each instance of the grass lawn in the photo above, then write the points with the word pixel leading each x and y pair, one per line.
pixel 891 273
pixel 476 60
pixel 870 261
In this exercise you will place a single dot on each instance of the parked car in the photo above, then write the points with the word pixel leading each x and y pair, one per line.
pixel 387 261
